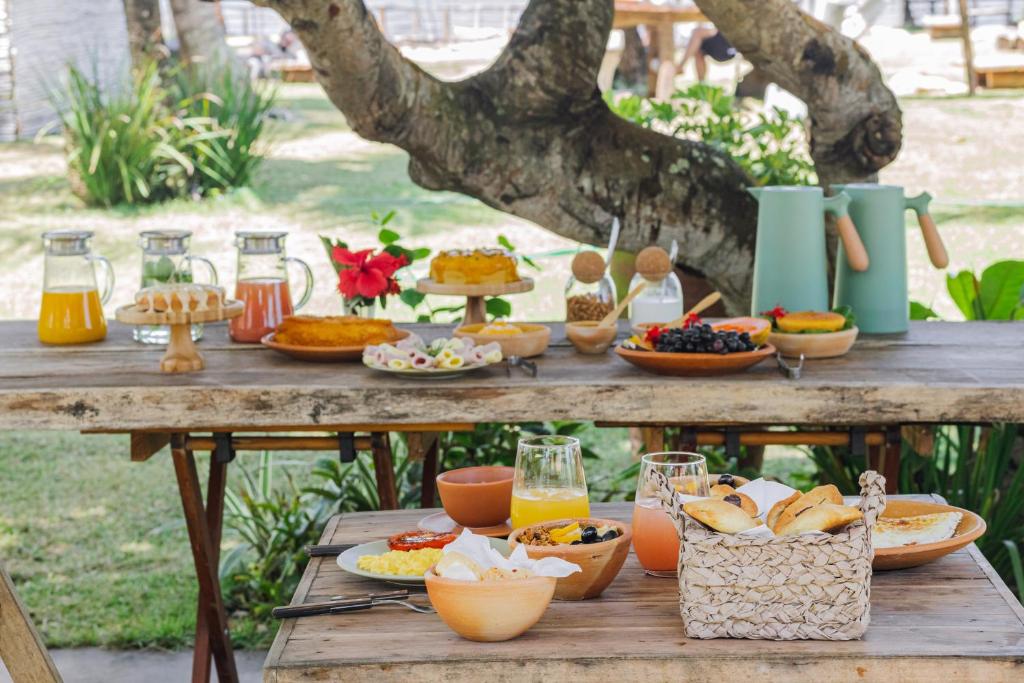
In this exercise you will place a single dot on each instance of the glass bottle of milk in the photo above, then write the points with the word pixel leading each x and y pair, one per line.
pixel 660 302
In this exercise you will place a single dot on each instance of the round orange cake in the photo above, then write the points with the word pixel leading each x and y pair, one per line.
pixel 476 267
pixel 335 330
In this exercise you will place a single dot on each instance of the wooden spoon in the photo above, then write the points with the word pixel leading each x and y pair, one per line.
pixel 613 314
pixel 702 305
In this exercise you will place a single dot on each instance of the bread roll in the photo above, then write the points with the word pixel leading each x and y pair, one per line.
pixel 819 494
pixel 821 517
pixel 745 501
pixel 779 508
pixel 720 515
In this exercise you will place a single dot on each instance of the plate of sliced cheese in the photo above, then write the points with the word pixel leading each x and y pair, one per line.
pixel 911 533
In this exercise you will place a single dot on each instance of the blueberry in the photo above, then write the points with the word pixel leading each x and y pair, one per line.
pixel 589 535
pixel 718 346
pixel 610 535
pixel 726 480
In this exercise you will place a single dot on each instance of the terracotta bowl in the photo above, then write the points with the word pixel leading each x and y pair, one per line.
pixel 490 611
pixel 600 562
pixel 477 496
pixel 971 527
pixel 532 342
pixel 589 338
pixel 827 345
pixel 694 364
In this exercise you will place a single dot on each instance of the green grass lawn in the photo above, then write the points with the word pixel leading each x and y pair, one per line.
pixel 96 544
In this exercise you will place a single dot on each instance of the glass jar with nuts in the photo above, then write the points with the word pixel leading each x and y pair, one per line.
pixel 590 291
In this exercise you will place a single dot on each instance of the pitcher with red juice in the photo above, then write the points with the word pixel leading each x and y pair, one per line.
pixel 262 284
pixel 655 538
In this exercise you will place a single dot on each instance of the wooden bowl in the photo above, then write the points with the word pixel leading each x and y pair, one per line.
pixel 590 338
pixel 477 496
pixel 600 562
pixel 826 345
pixel 322 354
pixel 971 527
pixel 695 364
pixel 532 342
pixel 490 611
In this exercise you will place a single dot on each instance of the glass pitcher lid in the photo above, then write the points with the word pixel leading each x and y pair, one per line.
pixel 67 242
pixel 260 241
pixel 164 242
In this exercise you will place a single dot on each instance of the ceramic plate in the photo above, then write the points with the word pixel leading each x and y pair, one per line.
pixel 441 523
pixel 694 364
pixel 348 559
pixel 970 528
pixel 826 345
pixel 320 354
pixel 430 374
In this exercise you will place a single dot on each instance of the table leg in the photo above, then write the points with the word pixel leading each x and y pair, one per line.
pixel 429 488
pixel 215 487
pixel 384 469
pixel 21 648
pixel 201 539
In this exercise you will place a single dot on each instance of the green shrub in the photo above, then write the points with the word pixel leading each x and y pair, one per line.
pixel 771 148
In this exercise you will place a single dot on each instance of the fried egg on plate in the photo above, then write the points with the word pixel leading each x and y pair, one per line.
pixel 894 532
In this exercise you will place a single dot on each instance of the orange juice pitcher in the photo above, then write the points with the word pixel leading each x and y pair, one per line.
pixel 72 305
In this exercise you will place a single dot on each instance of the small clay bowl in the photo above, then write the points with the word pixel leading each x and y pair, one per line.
pixel 590 338
pixel 489 611
pixel 477 497
pixel 532 342
pixel 600 562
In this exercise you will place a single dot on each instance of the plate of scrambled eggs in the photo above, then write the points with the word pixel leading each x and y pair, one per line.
pixel 375 561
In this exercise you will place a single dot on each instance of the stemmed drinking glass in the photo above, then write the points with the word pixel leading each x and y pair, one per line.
pixel 549 481
pixel 655 539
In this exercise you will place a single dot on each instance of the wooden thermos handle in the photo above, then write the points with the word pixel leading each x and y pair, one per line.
pixel 856 254
pixel 933 241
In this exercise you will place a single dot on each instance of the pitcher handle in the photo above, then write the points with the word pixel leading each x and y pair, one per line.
pixel 856 254
pixel 211 269
pixel 308 272
pixel 932 240
pixel 108 276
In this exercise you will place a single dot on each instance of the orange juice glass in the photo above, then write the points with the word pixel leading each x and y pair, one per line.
pixel 655 538
pixel 549 481
pixel 71 311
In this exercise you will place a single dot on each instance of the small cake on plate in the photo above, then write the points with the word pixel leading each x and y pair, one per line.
pixel 475 267
pixel 179 297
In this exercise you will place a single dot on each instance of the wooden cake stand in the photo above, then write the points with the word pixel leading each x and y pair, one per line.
pixel 182 354
pixel 476 309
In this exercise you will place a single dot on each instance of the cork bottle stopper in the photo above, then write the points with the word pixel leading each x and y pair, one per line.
pixel 588 267
pixel 653 263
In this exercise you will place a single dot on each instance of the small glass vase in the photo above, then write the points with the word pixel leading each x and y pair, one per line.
pixel 358 307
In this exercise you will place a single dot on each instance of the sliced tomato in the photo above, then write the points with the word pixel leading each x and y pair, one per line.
pixel 414 540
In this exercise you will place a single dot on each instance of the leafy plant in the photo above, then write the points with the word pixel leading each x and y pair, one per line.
pixel 352 487
pixel 275 524
pixel 997 295
pixel 770 147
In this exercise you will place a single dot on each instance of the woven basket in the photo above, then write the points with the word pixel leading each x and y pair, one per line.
pixel 815 586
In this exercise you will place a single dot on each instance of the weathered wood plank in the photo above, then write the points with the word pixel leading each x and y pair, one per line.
pixel 952 619
pixel 21 648
pixel 935 373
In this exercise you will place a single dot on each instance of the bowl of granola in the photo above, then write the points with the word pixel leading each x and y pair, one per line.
pixel 598 546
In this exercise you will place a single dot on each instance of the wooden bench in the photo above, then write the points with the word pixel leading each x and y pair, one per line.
pixel 1000 76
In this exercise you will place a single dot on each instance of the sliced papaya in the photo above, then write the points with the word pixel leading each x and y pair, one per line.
pixel 757 328
pixel 811 321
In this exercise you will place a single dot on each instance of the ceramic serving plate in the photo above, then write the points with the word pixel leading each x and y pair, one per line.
pixel 441 523
pixel 320 354
pixel 348 560
pixel 694 364
pixel 826 345
pixel 971 527
pixel 431 374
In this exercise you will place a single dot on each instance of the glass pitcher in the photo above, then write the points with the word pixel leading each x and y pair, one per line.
pixel 166 260
pixel 263 285
pixel 72 306
pixel 660 302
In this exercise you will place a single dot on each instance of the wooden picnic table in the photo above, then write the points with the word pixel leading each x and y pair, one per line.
pixel 937 373
pixel 953 619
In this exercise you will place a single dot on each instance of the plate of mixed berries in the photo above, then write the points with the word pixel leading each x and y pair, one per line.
pixel 696 349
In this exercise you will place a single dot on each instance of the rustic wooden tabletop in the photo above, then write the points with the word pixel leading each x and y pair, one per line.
pixel 952 620
pixel 938 372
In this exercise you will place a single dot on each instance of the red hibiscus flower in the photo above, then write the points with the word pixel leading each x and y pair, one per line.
pixel 366 275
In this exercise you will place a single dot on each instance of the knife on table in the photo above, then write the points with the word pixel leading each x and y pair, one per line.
pixel 334 606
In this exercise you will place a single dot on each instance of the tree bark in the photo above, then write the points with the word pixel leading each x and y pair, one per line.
pixel 200 31
pixel 532 136
pixel 144 38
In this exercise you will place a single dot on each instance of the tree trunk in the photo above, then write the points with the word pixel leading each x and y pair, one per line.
pixel 144 38
pixel 200 31
pixel 532 136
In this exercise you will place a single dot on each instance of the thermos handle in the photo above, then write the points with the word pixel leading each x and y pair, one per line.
pixel 932 239
pixel 210 268
pixel 108 276
pixel 856 254
pixel 308 291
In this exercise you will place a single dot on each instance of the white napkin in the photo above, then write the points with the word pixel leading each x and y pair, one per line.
pixel 478 548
